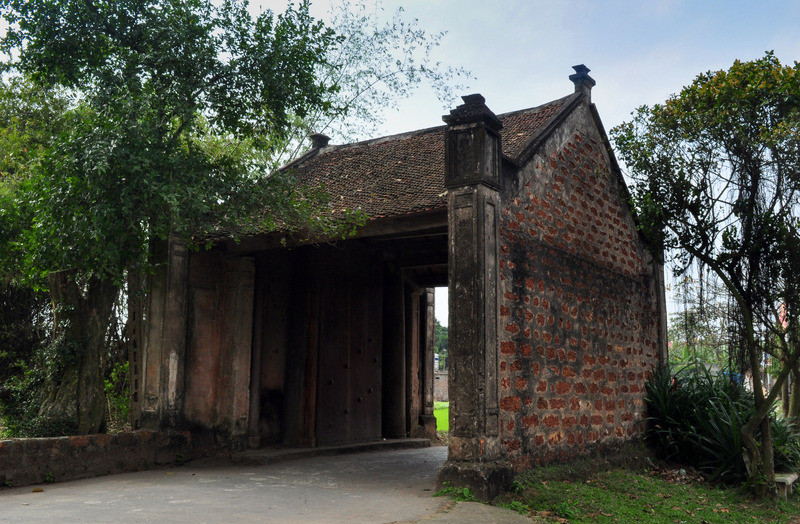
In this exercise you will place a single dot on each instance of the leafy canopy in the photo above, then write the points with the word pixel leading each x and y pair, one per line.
pixel 717 176
pixel 170 107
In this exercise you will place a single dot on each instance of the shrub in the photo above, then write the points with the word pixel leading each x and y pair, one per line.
pixel 118 396
pixel 26 390
pixel 25 323
pixel 695 417
pixel 786 441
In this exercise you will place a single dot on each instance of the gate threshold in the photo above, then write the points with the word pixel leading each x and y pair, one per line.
pixel 264 456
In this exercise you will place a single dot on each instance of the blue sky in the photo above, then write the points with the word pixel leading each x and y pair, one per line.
pixel 521 52
pixel 640 52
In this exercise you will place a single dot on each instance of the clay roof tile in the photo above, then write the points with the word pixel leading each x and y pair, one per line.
pixel 404 174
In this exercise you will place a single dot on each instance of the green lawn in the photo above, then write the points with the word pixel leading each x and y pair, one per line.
pixel 441 410
pixel 628 496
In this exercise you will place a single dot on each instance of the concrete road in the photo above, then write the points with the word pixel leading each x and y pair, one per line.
pixel 384 486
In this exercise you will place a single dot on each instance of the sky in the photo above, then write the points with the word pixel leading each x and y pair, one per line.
pixel 520 52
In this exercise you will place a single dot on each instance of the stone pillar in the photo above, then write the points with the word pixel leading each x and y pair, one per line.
pixel 428 325
pixel 165 337
pixel 413 394
pixel 472 178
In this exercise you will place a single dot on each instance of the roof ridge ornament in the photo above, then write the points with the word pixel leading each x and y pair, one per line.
pixel 318 140
pixel 583 82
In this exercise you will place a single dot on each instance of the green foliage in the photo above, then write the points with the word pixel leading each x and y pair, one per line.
pixel 566 510
pixel 26 391
pixel 460 494
pixel 695 417
pixel 157 83
pixel 786 441
pixel 517 486
pixel 516 505
pixel 683 152
pixel 24 327
pixel 118 395
pixel 31 117
pixel 440 344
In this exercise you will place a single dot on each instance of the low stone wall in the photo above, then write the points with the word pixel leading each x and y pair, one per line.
pixel 56 459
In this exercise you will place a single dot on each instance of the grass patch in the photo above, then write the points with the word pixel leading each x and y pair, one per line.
pixel 441 410
pixel 459 494
pixel 635 496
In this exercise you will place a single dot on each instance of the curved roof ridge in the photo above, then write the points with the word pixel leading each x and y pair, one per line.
pixel 559 101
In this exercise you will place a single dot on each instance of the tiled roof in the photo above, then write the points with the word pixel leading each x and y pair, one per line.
pixel 397 175
pixel 520 128
pixel 404 174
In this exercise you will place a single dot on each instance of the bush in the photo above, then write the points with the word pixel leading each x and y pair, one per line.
pixel 24 327
pixel 28 356
pixel 118 396
pixel 695 417
pixel 26 391
pixel 786 441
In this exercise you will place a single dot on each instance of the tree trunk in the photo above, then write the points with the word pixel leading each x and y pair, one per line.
pixel 759 462
pixel 785 393
pixel 794 395
pixel 768 453
pixel 76 399
pixel 761 466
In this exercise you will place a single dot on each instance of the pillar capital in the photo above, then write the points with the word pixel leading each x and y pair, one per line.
pixel 472 144
pixel 473 111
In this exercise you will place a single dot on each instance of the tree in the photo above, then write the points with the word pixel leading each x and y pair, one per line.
pixel 29 118
pixel 373 67
pixel 717 172
pixel 170 107
pixel 698 331
pixel 440 337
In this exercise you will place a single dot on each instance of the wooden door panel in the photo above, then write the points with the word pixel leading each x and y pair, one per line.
pixel 333 407
pixel 349 391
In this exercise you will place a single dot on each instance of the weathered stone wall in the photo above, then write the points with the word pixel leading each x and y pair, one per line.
pixel 36 460
pixel 578 307
pixel 440 382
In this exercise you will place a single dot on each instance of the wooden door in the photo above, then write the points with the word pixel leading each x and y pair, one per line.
pixel 349 376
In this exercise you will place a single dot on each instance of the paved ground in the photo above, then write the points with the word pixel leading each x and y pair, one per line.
pixel 383 486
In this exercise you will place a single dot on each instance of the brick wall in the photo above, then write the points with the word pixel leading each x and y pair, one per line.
pixel 36 460
pixel 578 320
